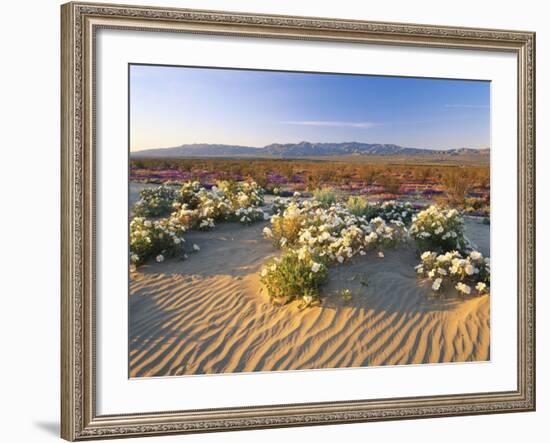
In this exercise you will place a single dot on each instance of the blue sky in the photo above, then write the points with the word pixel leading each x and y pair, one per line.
pixel 170 106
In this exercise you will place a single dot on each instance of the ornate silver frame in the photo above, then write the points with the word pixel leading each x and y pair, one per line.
pixel 80 21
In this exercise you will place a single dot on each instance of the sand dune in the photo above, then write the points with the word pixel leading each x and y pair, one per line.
pixel 207 315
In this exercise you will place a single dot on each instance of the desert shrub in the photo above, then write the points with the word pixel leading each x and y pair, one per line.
pixel 457 183
pixel 188 194
pixel 279 205
pixel 369 174
pixel 332 233
pixel 390 183
pixel 241 195
pixel 326 197
pixel 155 202
pixel 382 234
pixel 388 211
pixel 185 218
pixel 152 181
pixel 250 215
pixel 422 174
pixel 361 207
pixel 296 275
pixel 467 274
pixel 394 210
pixel 199 208
pixel 476 205
pixel 439 230
pixel 153 239
pixel 260 177
pixel 285 228
pixel 313 181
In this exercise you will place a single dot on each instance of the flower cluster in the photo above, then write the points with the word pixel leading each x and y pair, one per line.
pixel 296 275
pixel 467 274
pixel 241 195
pixel 153 239
pixel 388 210
pixel 314 236
pixel 394 210
pixel 286 227
pixel 279 205
pixel 193 207
pixel 440 230
pixel 325 197
pixel 188 194
pixel 333 233
pixel 155 202
pixel 250 215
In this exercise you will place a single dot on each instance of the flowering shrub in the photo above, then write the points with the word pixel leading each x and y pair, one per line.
pixel 467 274
pixel 279 205
pixel 394 210
pixel 188 194
pixel 286 227
pixel 199 208
pixel 439 230
pixel 184 218
pixel 247 216
pixel 325 197
pixel 153 239
pixel 334 233
pixel 361 207
pixel 240 195
pixel 296 275
pixel 388 210
pixel 193 207
pixel 155 202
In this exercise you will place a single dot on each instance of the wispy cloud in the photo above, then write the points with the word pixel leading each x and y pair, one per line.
pixel 332 124
pixel 460 105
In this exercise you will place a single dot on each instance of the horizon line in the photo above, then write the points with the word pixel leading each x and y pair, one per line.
pixel 303 141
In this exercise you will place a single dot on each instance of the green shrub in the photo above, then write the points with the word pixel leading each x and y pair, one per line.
pixel 467 274
pixel 439 230
pixel 360 207
pixel 388 211
pixel 153 239
pixel 296 275
pixel 285 228
pixel 155 202
pixel 326 197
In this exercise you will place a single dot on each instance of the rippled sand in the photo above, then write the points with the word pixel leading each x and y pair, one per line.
pixel 208 315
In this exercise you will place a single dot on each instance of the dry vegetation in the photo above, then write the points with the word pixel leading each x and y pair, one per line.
pixel 460 183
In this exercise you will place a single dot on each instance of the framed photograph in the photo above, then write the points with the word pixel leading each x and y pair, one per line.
pixel 277 221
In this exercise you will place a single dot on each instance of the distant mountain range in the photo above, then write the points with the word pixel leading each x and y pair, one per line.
pixel 299 150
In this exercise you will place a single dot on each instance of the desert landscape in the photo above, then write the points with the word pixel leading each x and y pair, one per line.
pixel 283 220
pixel 207 311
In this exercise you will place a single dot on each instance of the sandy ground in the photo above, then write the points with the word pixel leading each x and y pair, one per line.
pixel 208 314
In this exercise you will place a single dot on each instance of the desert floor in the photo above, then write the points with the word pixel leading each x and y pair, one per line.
pixel 207 314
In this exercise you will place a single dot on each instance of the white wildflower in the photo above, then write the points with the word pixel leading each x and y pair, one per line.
pixel 481 287
pixel 463 288
pixel 476 255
